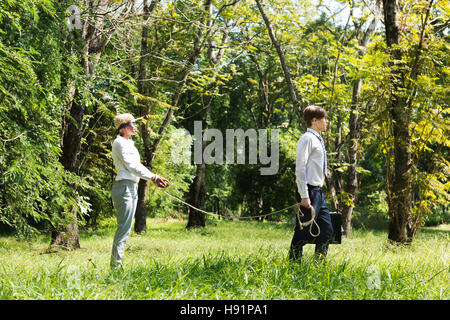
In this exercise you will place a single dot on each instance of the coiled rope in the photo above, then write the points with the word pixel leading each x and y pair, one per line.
pixel 298 214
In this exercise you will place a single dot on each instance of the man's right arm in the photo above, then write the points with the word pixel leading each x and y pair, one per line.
pixel 303 152
pixel 125 155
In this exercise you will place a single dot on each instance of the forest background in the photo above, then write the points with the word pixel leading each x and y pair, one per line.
pixel 379 68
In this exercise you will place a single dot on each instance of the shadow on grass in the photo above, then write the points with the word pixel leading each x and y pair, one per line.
pixel 6 230
pixel 98 233
pixel 213 226
pixel 435 231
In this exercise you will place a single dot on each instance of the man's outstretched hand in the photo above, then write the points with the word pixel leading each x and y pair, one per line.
pixel 162 182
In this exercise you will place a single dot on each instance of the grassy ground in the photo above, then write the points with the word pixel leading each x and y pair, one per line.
pixel 227 260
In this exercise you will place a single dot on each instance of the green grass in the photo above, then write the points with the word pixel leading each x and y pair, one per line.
pixel 227 260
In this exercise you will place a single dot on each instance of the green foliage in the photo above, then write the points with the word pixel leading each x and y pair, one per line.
pixel 245 89
pixel 33 185
pixel 372 213
pixel 173 161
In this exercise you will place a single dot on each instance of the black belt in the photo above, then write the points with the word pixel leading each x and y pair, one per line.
pixel 314 187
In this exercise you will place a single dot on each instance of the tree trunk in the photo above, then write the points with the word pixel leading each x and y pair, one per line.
pixel 265 107
pixel 67 236
pixel 351 187
pixel 197 190
pixel 72 133
pixel 334 178
pixel 337 178
pixel 352 177
pixel 287 73
pixel 197 198
pixel 140 225
pixel 150 151
pixel 401 183
pixel 140 216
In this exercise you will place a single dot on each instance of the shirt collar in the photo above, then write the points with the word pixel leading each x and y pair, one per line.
pixel 313 131
pixel 125 140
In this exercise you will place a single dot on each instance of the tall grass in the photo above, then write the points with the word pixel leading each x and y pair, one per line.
pixel 227 260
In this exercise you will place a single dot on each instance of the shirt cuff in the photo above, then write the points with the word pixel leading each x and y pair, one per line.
pixel 302 190
pixel 303 194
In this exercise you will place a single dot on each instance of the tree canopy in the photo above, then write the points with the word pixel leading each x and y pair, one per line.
pixel 229 64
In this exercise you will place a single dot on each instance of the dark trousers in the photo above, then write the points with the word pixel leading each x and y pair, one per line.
pixel 323 220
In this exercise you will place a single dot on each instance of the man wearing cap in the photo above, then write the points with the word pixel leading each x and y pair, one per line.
pixel 124 190
pixel 310 172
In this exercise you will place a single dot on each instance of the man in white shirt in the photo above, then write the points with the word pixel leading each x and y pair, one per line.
pixel 124 190
pixel 310 172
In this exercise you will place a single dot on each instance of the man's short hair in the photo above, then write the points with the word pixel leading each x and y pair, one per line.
pixel 313 111
pixel 123 118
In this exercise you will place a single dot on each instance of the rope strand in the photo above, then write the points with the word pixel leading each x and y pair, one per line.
pixel 309 222
pixel 234 216
pixel 302 224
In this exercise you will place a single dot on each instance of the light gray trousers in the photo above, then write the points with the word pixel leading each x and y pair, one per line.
pixel 124 196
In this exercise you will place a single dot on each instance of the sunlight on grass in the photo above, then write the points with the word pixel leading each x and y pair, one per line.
pixel 226 260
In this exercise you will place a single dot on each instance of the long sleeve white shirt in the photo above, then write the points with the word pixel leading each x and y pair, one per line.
pixel 127 161
pixel 309 162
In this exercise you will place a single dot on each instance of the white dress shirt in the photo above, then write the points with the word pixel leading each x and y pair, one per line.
pixel 310 162
pixel 128 162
